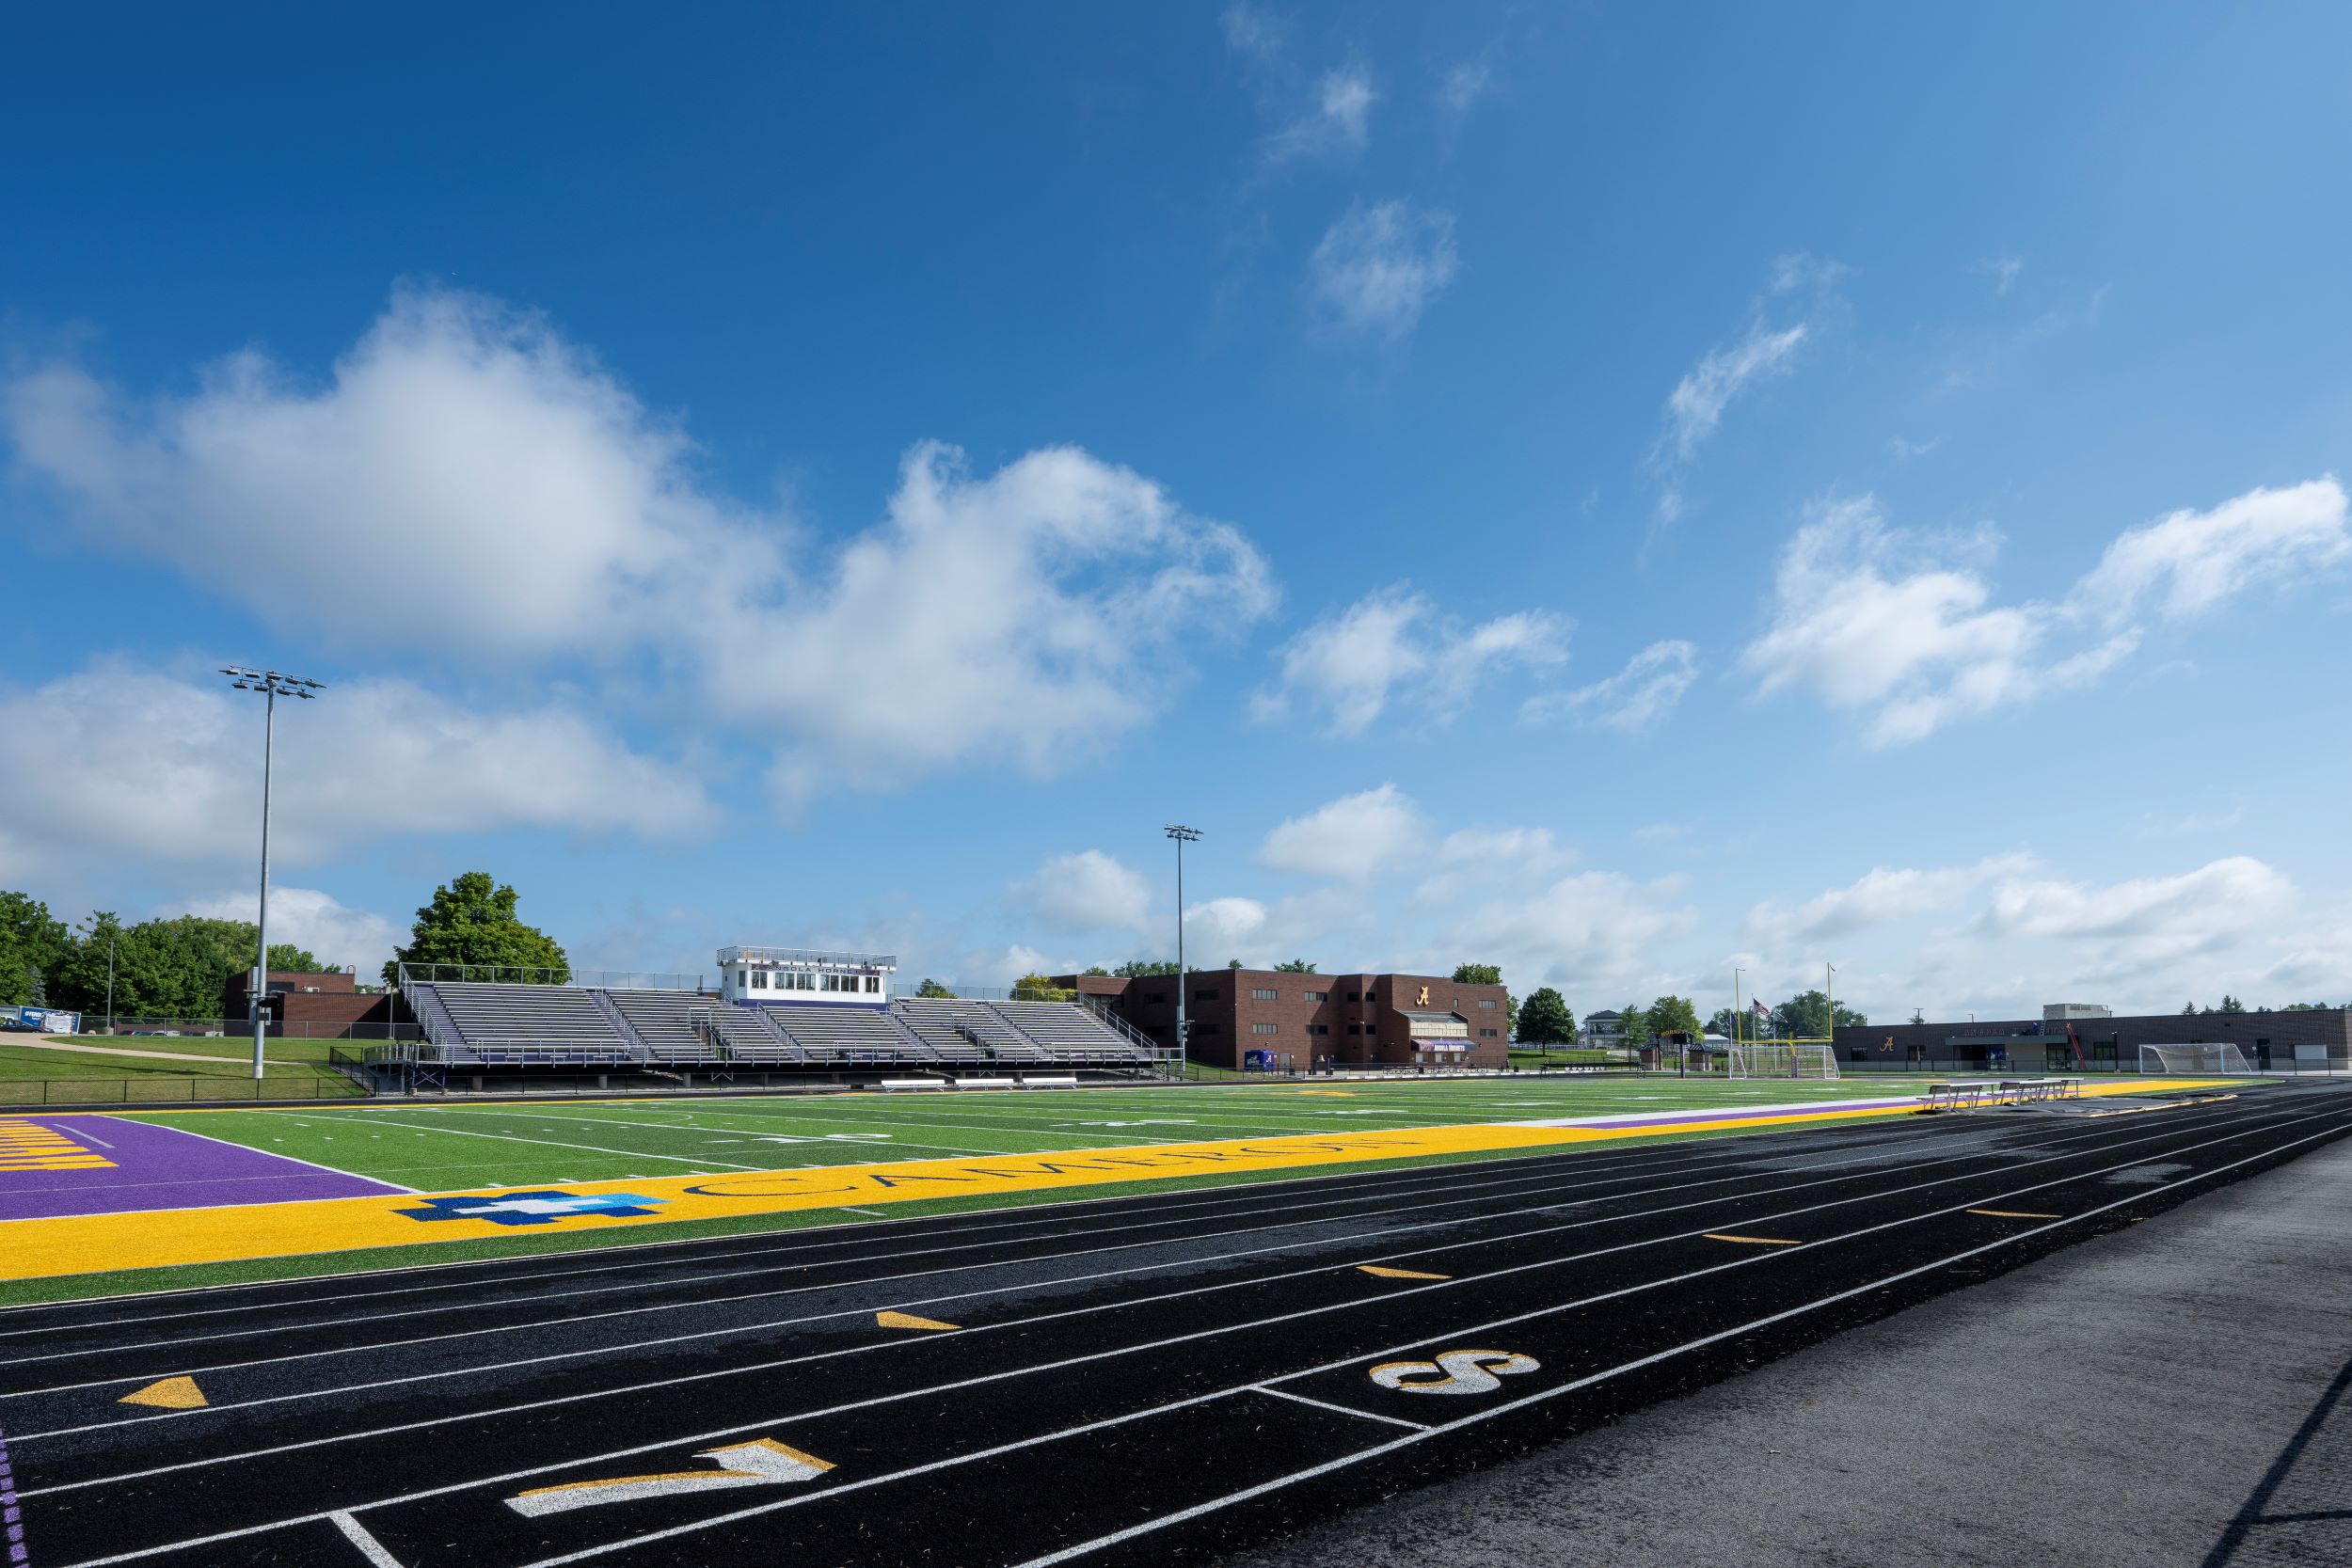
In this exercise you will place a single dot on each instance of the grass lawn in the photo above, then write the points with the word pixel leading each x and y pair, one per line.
pixel 39 1074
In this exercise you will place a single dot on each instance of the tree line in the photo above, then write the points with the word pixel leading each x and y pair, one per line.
pixel 178 966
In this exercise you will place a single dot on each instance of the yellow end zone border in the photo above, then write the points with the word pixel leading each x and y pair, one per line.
pixel 87 1243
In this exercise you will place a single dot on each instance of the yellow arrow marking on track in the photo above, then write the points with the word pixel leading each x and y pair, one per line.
pixel 2014 1214
pixel 762 1462
pixel 1752 1240
pixel 908 1319
pixel 172 1393
pixel 1377 1271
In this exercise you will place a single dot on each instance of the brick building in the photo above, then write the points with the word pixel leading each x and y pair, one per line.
pixel 2285 1041
pixel 321 1004
pixel 1350 1018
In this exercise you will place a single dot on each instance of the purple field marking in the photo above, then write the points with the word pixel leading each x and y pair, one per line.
pixel 1742 1113
pixel 164 1167
pixel 11 1514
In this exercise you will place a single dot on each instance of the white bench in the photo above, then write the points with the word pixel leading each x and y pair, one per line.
pixel 917 1083
pixel 988 1083
pixel 1040 1081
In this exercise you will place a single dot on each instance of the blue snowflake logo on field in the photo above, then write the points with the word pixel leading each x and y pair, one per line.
pixel 544 1208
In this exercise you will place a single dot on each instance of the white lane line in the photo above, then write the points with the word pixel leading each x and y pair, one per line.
pixel 1132 1531
pixel 543 1142
pixel 1086 1548
pixel 968 1295
pixel 356 1534
pixel 1551 1200
pixel 1344 1410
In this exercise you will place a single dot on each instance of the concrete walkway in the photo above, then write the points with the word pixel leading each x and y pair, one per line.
pixel 2180 1393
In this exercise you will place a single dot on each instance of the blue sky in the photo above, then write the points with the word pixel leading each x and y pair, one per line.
pixel 1618 493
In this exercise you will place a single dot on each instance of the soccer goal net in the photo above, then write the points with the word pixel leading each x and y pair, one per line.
pixel 2193 1061
pixel 1797 1059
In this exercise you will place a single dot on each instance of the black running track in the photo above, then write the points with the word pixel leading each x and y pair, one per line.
pixel 1140 1380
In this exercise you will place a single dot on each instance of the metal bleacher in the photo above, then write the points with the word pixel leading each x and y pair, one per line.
pixel 484 1024
pixel 966 1032
pixel 517 1024
pixel 1071 1032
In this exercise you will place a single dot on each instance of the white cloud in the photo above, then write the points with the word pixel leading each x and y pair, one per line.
pixel 2186 563
pixel 1517 851
pixel 502 496
pixel 130 761
pixel 1337 124
pixel 1596 935
pixel 338 937
pixel 1352 838
pixel 1904 624
pixel 2155 918
pixel 2004 270
pixel 1089 891
pixel 1903 451
pixel 1883 895
pixel 1377 268
pixel 1392 644
pixel 1636 697
pixel 1254 34
pixel 1224 928
pixel 1463 86
pixel 1695 407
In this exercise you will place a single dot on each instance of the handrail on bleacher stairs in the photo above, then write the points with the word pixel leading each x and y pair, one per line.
pixel 620 1022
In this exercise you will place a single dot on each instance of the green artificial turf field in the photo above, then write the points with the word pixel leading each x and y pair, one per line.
pixel 439 1147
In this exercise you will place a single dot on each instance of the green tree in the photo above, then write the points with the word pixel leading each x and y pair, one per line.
pixel 932 988
pixel 1545 1019
pixel 2230 1003
pixel 1674 1015
pixel 1232 963
pixel 1141 968
pixel 2188 1009
pixel 1296 966
pixel 1098 969
pixel 472 921
pixel 1723 1021
pixel 1040 987
pixel 1634 1023
pixel 1806 1016
pixel 33 948
pixel 1478 974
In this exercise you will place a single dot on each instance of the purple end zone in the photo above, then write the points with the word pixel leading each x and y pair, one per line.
pixel 162 1167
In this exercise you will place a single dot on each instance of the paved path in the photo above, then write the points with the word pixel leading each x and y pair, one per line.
pixel 11 1043
pixel 2178 1393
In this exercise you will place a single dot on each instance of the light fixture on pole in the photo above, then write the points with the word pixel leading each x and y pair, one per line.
pixel 271 684
pixel 1182 836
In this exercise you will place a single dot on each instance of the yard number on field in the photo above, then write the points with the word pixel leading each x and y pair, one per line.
pixel 1454 1371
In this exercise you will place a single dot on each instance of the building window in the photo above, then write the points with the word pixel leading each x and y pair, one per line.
pixel 1488 1002
pixel 1261 1028
pixel 873 985
pixel 1155 997
pixel 1355 1028
pixel 759 979
pixel 1261 994
pixel 1208 995
pixel 1486 1034
pixel 1318 1028
pixel 1318 996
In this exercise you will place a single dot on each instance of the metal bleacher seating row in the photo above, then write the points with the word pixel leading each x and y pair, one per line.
pixel 481 1023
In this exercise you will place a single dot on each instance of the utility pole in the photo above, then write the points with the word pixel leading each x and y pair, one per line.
pixel 1737 1034
pixel 271 684
pixel 1182 836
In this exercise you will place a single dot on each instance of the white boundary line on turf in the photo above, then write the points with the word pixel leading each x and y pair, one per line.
pixel 1031 1320
pixel 289 1159
pixel 548 1143
pixel 1748 1261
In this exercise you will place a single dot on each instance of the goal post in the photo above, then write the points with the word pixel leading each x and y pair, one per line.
pixel 1798 1059
pixel 2202 1060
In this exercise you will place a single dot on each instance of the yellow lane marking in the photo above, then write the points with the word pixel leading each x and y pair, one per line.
pixel 908 1319
pixel 2014 1214
pixel 1378 1271
pixel 29 1145
pixel 1752 1240
pixel 172 1393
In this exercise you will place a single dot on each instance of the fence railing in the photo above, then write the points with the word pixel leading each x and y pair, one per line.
pixel 519 974
pixel 134 1030
pixel 170 1089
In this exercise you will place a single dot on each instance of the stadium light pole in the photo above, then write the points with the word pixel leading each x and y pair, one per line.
pixel 1182 836
pixel 1736 973
pixel 271 684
